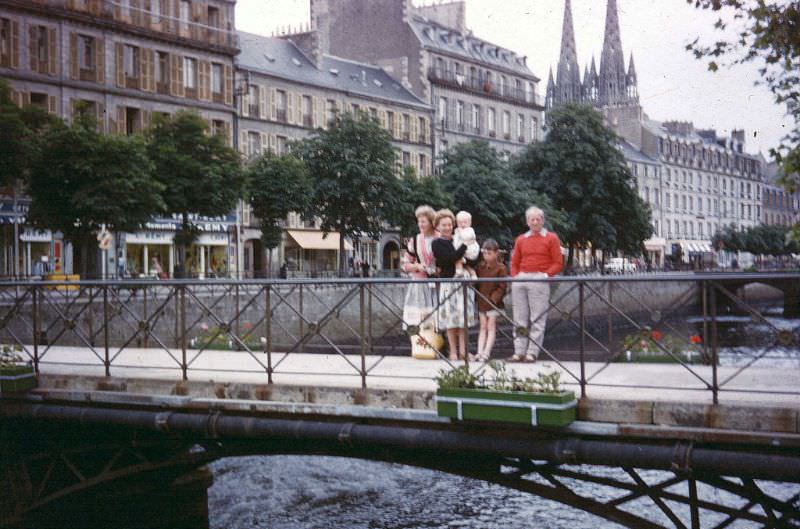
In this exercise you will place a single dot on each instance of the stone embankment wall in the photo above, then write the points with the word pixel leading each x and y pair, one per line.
pixel 152 317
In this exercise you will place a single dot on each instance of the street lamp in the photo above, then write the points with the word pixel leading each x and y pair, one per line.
pixel 241 87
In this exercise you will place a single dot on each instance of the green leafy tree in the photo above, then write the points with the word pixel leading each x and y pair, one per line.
pixel 355 186
pixel 415 191
pixel 82 180
pixel 579 167
pixel 728 238
pixel 481 183
pixel 767 33
pixel 20 131
pixel 278 185
pixel 199 173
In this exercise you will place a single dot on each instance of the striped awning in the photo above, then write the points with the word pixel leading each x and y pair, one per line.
pixel 696 246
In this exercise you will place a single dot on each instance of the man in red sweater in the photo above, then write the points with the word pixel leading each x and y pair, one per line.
pixel 536 255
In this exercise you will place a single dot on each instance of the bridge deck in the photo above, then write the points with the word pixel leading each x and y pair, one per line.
pixel 627 381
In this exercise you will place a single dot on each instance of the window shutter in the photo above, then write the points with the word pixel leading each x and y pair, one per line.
pixel 425 130
pixel 228 85
pixel 73 56
pixel 152 71
pixel 382 118
pixel 319 112
pixel 14 44
pixel 147 119
pixel 298 108
pixel 229 133
pixel 33 61
pixel 273 143
pixel 51 51
pixel 273 104
pixel 120 53
pixel 100 60
pixel 263 96
pixel 144 68
pixel 290 107
pixel 73 109
pixel 396 131
pixel 264 142
pixel 414 127
pixel 52 105
pixel 415 163
pixel 205 80
pixel 177 63
pixel 122 126
pixel 244 101
pixel 243 143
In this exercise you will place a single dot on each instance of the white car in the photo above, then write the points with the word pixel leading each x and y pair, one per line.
pixel 619 265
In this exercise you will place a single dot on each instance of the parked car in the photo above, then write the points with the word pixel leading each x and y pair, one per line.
pixel 619 265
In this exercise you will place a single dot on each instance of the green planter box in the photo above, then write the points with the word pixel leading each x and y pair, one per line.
pixel 15 379
pixel 535 409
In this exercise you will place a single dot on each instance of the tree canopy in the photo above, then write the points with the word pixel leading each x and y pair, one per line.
pixel 200 175
pixel 481 183
pixel 355 187
pixel 278 185
pixel 580 169
pixel 758 240
pixel 766 32
pixel 20 130
pixel 83 180
pixel 416 191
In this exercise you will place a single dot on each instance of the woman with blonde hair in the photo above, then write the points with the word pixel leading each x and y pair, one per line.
pixel 450 314
pixel 420 301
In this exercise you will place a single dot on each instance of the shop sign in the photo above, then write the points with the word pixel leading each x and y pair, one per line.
pixel 33 235
pixel 213 239
pixel 149 237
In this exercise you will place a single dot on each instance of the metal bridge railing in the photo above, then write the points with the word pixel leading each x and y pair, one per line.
pixel 178 328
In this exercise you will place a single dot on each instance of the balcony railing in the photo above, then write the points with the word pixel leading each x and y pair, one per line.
pixel 483 87
pixel 144 19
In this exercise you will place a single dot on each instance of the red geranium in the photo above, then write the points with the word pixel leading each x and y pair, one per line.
pixel 695 339
pixel 656 335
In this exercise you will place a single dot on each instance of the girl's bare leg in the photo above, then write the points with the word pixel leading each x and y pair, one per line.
pixel 482 334
pixel 491 333
pixel 452 343
pixel 462 342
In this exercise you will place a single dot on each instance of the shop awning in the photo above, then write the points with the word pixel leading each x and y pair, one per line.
pixel 697 247
pixel 655 244
pixel 313 240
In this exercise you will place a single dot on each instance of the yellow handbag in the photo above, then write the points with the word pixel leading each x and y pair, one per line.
pixel 424 346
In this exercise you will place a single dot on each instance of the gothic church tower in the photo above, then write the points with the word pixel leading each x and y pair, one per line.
pixel 612 90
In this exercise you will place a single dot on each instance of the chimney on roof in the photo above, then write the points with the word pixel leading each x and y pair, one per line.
pixel 450 14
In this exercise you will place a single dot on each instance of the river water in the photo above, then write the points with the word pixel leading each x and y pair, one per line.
pixel 314 492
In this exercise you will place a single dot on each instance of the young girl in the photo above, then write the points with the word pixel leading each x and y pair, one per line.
pixel 490 297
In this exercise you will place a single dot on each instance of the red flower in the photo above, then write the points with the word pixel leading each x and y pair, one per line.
pixel 656 335
pixel 695 339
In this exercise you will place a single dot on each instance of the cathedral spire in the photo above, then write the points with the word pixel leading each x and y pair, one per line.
pixel 612 62
pixel 568 73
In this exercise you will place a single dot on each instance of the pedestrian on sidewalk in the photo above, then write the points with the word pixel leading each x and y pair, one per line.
pixel 536 255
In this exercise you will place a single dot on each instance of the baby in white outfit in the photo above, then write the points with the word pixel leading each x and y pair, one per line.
pixel 464 234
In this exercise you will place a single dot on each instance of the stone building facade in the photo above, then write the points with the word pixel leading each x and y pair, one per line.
pixel 294 90
pixel 694 181
pixel 478 89
pixel 780 207
pixel 128 60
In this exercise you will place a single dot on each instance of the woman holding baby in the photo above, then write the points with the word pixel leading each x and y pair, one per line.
pixel 452 300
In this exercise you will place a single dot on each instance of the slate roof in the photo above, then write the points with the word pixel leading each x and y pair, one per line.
pixel 435 36
pixel 633 154
pixel 282 58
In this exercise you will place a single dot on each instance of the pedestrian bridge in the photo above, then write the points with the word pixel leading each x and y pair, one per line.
pixel 137 392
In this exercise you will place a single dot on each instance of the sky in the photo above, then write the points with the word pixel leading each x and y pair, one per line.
pixel 673 85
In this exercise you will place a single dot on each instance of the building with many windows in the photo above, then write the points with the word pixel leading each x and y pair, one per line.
pixel 779 206
pixel 128 60
pixel 694 181
pixel 478 89
pixel 289 95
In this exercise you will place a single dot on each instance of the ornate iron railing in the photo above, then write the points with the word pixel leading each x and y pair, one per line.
pixel 262 329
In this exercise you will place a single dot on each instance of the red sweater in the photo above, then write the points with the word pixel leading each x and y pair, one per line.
pixel 536 253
